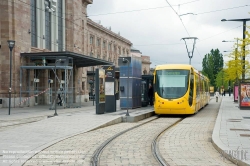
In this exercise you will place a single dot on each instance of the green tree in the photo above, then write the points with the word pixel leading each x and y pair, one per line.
pixel 212 63
pixel 221 80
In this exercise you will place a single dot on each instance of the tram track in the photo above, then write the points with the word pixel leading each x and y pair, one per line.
pixel 155 145
pixel 95 159
pixel 96 156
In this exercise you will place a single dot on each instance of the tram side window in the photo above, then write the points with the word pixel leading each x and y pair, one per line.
pixel 197 85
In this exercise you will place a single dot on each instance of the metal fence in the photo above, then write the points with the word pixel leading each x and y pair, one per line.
pixel 66 98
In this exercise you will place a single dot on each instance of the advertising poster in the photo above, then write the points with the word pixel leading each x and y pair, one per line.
pixel 245 95
pixel 102 84
pixel 236 93
pixel 211 89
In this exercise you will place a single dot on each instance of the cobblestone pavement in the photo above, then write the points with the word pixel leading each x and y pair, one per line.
pixel 79 149
pixel 23 141
pixel 134 147
pixel 189 142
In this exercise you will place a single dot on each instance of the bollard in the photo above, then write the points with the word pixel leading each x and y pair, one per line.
pixel 216 99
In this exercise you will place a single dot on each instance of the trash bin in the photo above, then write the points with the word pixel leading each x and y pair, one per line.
pixel 101 108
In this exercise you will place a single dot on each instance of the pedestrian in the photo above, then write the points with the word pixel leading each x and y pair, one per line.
pixel 229 90
pixel 224 92
pixel 150 94
pixel 60 98
pixel 217 95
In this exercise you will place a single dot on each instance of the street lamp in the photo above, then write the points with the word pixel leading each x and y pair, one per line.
pixel 11 44
pixel 244 36
pixel 59 60
pixel 124 60
pixel 187 38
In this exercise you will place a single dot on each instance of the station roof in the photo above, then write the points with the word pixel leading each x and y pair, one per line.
pixel 79 60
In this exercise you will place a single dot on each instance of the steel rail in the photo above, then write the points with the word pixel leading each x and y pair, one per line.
pixel 155 145
pixel 96 156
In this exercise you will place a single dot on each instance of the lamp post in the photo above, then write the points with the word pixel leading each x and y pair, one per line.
pixel 187 38
pixel 124 60
pixel 11 44
pixel 244 36
pixel 55 114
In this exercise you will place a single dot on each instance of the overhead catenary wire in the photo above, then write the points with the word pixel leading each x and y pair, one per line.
pixel 166 44
pixel 138 10
pixel 183 25
pixel 114 32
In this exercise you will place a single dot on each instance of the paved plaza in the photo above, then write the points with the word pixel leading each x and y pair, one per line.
pixel 29 130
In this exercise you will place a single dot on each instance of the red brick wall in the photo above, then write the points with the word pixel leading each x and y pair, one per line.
pixel 15 23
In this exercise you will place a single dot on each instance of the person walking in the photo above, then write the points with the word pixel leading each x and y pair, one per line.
pixel 217 94
pixel 59 97
pixel 150 94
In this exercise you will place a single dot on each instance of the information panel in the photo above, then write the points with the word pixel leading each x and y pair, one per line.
pixel 109 88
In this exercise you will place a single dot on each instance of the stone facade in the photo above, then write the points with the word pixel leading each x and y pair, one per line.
pixel 145 65
pixel 80 35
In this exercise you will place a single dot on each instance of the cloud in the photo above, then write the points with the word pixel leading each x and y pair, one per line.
pixel 156 30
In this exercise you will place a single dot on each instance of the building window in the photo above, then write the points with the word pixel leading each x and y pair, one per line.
pixel 91 40
pixel 47 25
pixel 33 23
pixel 119 50
pixel 83 85
pixel 98 42
pixel 109 48
pixel 104 45
pixel 60 25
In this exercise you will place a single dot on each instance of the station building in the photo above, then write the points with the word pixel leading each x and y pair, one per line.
pixel 52 36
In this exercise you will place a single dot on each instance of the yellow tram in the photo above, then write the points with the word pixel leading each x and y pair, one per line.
pixel 179 89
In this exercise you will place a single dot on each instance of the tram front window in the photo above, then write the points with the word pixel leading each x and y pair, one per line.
pixel 171 83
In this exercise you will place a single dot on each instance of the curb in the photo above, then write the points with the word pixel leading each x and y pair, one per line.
pixel 224 150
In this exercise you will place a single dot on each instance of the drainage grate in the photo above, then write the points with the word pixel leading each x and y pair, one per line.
pixel 246 117
pixel 234 120
pixel 240 129
pixel 245 135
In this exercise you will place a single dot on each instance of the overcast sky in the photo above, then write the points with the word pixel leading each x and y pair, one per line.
pixel 155 29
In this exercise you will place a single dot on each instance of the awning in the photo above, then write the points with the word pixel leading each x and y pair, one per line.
pixel 79 60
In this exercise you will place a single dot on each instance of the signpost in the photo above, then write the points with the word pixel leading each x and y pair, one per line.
pixel 110 88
